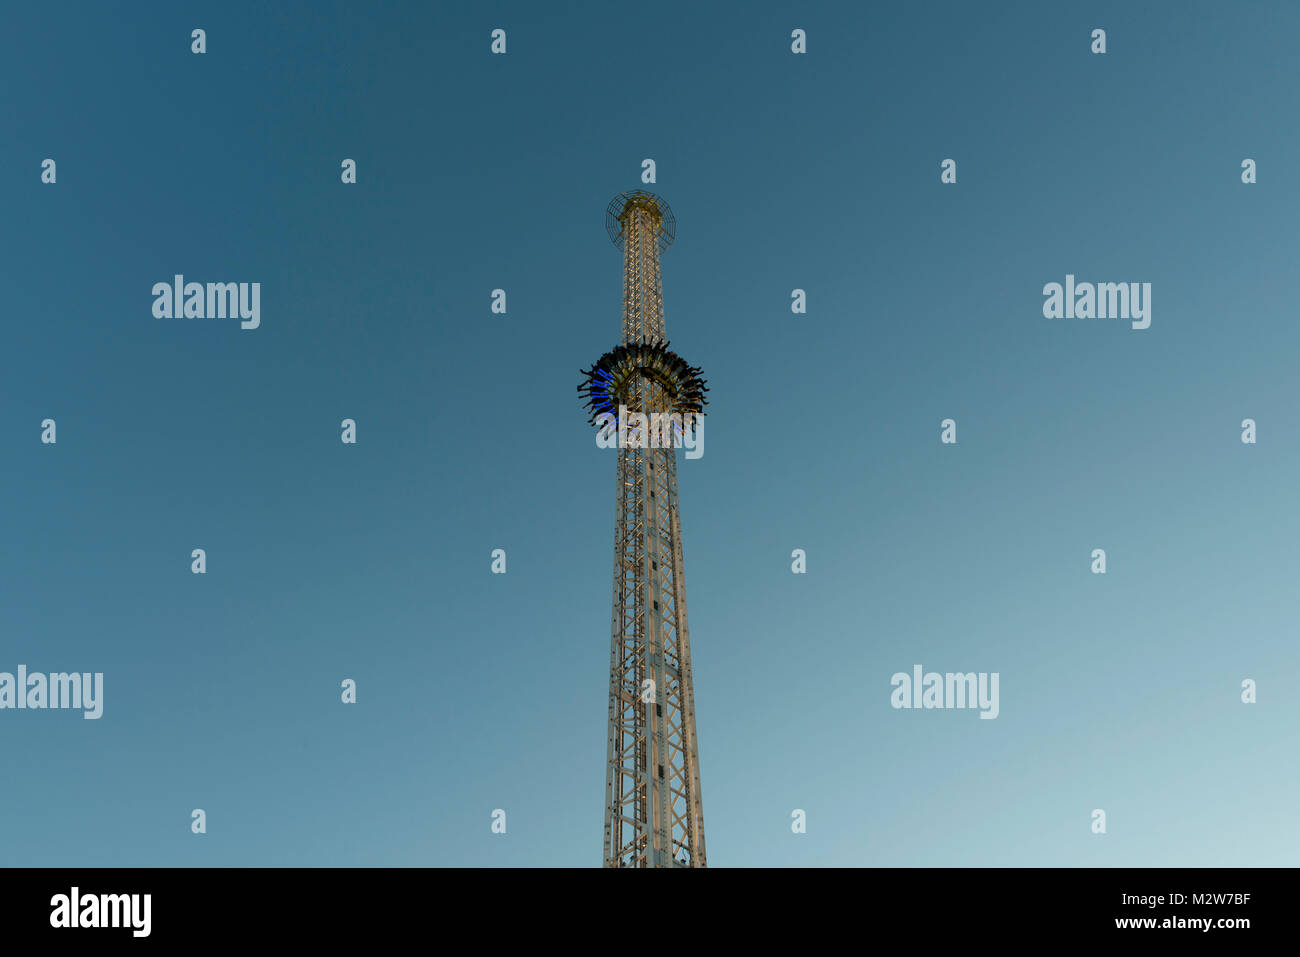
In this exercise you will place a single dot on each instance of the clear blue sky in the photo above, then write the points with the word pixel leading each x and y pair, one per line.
pixel 820 172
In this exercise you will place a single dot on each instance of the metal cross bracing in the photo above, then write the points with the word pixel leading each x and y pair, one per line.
pixel 653 810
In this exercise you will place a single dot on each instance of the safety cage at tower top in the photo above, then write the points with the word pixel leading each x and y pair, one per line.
pixel 625 204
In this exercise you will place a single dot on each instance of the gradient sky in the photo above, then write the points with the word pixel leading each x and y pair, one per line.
pixel 479 691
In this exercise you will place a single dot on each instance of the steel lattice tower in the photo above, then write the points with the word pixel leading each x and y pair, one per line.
pixel 653 811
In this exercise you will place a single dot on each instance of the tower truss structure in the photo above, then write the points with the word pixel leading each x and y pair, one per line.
pixel 653 810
